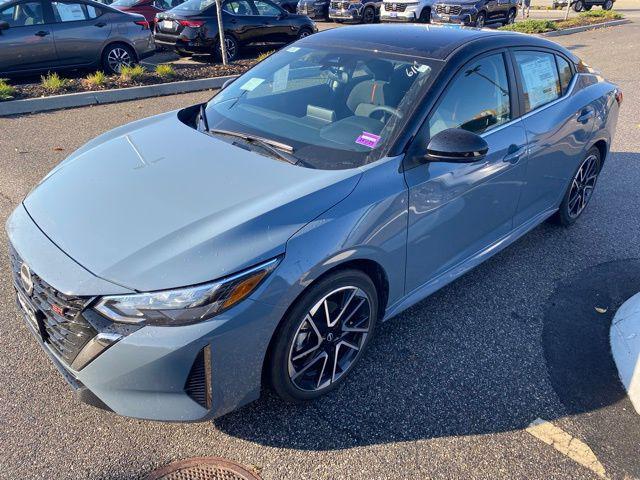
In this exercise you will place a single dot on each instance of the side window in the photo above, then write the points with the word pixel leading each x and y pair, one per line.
pixel 23 14
pixel 93 12
pixel 69 12
pixel 540 82
pixel 238 7
pixel 266 9
pixel 477 100
pixel 565 73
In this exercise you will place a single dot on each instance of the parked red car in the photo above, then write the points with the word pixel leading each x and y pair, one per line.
pixel 147 8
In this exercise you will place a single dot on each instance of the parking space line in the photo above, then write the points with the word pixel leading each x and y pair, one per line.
pixel 566 444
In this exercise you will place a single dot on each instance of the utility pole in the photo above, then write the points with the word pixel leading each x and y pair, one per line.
pixel 223 46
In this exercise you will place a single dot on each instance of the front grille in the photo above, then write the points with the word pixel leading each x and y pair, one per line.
pixel 340 5
pixel 197 384
pixel 66 332
pixel 395 7
pixel 452 9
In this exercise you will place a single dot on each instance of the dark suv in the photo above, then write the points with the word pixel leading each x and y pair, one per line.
pixel 359 11
pixel 315 9
pixel 474 13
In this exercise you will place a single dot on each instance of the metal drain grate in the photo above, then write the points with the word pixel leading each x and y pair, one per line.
pixel 205 468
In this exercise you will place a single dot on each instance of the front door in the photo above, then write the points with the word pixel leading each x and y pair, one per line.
pixel 276 29
pixel 79 32
pixel 457 210
pixel 28 42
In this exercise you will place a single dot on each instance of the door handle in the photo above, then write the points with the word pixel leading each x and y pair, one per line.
pixel 100 24
pixel 586 114
pixel 41 33
pixel 514 152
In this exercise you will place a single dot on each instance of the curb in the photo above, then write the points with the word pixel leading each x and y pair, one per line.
pixel 625 346
pixel 82 99
pixel 569 31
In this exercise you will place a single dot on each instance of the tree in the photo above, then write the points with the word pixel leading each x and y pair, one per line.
pixel 223 46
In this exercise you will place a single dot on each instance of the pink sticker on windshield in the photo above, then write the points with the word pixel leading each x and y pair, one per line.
pixel 368 139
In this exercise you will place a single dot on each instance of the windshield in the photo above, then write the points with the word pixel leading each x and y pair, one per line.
pixel 337 107
pixel 195 5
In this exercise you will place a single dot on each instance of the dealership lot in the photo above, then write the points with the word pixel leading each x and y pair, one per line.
pixel 447 389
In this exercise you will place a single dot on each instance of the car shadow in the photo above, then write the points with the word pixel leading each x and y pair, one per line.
pixel 515 339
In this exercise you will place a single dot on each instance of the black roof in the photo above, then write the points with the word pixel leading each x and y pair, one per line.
pixel 428 41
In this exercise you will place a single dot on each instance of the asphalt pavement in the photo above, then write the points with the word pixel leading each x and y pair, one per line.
pixel 447 389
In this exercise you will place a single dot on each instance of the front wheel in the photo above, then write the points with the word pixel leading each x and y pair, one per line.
pixel 369 15
pixel 323 336
pixel 580 189
pixel 480 20
pixel 511 17
pixel 304 32
pixel 578 6
pixel 425 15
pixel 608 5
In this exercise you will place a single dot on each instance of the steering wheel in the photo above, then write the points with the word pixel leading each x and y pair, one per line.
pixel 386 109
pixel 336 75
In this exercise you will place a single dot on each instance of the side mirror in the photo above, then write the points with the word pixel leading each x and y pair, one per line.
pixel 227 83
pixel 457 146
pixel 4 25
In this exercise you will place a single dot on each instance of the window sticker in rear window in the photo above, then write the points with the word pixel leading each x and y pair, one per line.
pixel 539 76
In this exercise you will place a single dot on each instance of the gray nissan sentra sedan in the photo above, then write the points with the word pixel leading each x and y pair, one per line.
pixel 173 267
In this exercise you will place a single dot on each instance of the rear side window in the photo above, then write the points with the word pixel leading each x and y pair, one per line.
pixel 540 82
pixel 71 12
pixel 477 100
pixel 566 74
pixel 23 14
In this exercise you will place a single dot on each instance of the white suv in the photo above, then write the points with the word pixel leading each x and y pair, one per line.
pixel 406 11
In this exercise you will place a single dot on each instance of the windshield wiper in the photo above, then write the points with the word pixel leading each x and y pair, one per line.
pixel 271 146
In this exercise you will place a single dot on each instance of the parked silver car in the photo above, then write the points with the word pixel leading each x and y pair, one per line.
pixel 41 35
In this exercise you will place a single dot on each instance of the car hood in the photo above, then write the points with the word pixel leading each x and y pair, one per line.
pixel 156 205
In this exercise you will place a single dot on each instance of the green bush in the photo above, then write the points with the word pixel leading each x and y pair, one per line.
pixel 53 83
pixel 605 14
pixel 131 74
pixel 531 26
pixel 6 91
pixel 165 71
pixel 96 79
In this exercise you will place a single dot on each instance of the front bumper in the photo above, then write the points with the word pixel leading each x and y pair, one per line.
pixel 406 16
pixel 464 18
pixel 151 372
pixel 353 13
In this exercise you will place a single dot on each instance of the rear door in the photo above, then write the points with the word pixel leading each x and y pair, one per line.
pixel 79 32
pixel 28 42
pixel 558 124
pixel 457 210
pixel 275 28
pixel 241 18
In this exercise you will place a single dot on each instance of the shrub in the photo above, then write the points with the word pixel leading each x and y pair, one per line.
pixel 264 55
pixel 165 71
pixel 6 91
pixel 531 26
pixel 96 79
pixel 53 83
pixel 604 14
pixel 131 74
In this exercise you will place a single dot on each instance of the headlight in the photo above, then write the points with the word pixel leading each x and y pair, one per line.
pixel 185 305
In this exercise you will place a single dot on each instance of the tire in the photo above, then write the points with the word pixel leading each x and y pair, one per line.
pixel 304 32
pixel 578 6
pixel 116 56
pixel 481 20
pixel 581 185
pixel 425 15
pixel 232 48
pixel 511 17
pixel 368 15
pixel 301 361
pixel 608 5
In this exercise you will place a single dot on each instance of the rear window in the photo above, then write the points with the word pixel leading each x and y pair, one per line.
pixel 195 5
pixel 540 82
pixel 566 74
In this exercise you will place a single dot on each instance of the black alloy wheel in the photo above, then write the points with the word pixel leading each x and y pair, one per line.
pixel 369 15
pixel 323 336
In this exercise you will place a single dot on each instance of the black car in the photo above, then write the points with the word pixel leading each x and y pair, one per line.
pixel 475 13
pixel 193 26
pixel 580 5
pixel 316 9
pixel 43 35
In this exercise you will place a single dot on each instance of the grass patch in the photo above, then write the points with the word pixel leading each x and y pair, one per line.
pixel 93 80
pixel 131 74
pixel 6 91
pixel 53 83
pixel 165 71
pixel 605 14
pixel 264 55
pixel 531 26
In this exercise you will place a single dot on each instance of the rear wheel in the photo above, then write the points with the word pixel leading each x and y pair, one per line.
pixel 116 56
pixel 323 336
pixel 608 5
pixel 580 189
pixel 232 47
pixel 511 16
pixel 369 15
pixel 578 5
